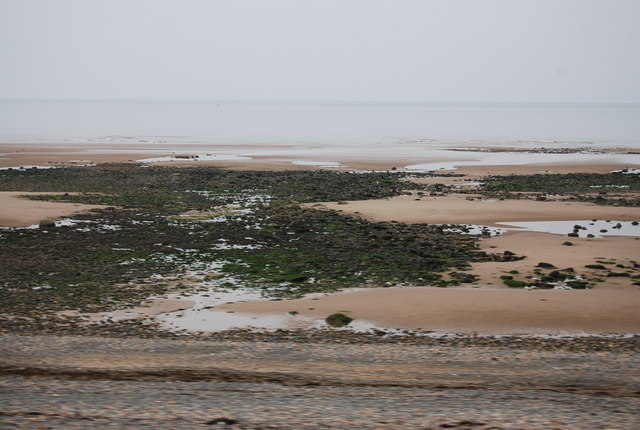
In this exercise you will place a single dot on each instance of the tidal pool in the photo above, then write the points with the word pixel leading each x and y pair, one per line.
pixel 597 228
pixel 204 316
pixel 324 164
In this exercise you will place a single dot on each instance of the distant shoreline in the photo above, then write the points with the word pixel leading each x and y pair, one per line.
pixel 469 156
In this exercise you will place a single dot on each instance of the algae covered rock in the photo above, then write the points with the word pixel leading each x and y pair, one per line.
pixel 338 320
pixel 47 223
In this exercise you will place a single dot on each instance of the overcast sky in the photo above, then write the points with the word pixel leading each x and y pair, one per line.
pixel 413 50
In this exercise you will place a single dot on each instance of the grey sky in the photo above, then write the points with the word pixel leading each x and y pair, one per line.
pixel 415 50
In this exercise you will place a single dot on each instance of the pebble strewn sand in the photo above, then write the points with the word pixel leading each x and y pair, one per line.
pixel 324 386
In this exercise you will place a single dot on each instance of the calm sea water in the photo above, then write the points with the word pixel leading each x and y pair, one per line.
pixel 317 122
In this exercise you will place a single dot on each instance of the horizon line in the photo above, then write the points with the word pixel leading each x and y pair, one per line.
pixel 320 101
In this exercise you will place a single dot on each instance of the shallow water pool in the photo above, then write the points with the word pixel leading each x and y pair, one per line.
pixel 597 228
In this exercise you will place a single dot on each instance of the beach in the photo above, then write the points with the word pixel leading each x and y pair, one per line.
pixel 484 306
pixel 515 357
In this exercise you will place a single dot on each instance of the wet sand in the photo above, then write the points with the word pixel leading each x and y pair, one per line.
pixel 286 156
pixel 532 169
pixel 14 155
pixel 456 209
pixel 148 309
pixel 16 211
pixel 469 310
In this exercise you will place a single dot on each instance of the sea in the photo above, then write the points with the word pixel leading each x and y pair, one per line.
pixel 319 122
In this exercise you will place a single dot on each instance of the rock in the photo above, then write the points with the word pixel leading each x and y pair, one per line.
pixel 47 223
pixel 556 276
pixel 546 265
pixel 338 320
pixel 567 243
pixel 578 285
pixel 514 284
pixel 222 420
pixel 463 277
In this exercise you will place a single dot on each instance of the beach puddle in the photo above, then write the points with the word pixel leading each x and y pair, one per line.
pixel 321 164
pixel 468 184
pixel 203 316
pixel 583 228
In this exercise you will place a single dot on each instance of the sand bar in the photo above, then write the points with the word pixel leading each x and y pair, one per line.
pixel 16 211
pixel 465 310
pixel 455 209
pixel 533 169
